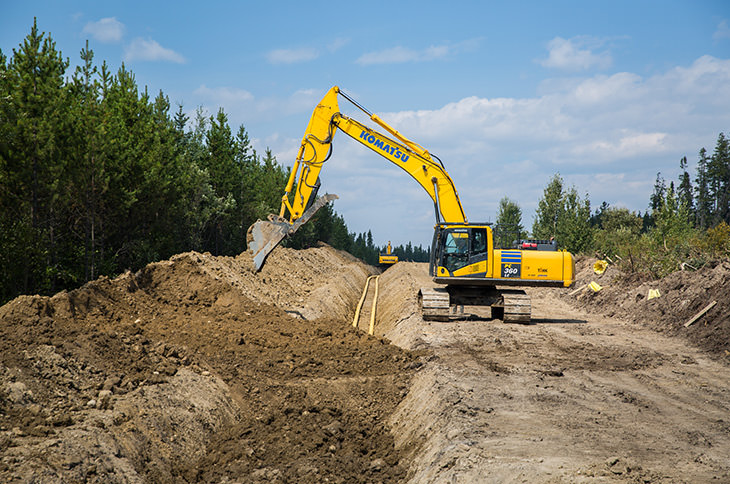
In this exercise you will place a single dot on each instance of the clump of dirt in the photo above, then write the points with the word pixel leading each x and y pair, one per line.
pixel 682 295
pixel 198 369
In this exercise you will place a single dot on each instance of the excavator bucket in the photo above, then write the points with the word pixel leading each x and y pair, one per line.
pixel 264 235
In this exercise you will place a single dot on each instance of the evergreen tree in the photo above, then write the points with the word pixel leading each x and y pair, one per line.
pixel 273 181
pixel 220 162
pixel 703 209
pixel 684 191
pixel 660 190
pixel 88 163
pixel 509 224
pixel 180 120
pixel 33 165
pixel 339 238
pixel 223 232
pixel 718 171
pixel 549 210
pixel 249 174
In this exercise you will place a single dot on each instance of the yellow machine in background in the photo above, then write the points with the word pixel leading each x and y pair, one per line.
pixel 464 260
pixel 388 258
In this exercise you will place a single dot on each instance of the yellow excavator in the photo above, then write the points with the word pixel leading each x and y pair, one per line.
pixel 464 264
pixel 387 258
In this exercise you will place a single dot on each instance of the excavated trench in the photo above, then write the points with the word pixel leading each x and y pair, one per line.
pixel 198 369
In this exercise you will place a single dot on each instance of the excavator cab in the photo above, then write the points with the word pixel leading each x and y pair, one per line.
pixel 459 249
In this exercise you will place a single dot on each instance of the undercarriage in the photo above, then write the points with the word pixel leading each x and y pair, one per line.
pixel 447 303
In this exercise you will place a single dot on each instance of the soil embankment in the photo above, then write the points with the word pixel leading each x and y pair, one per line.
pixel 682 295
pixel 197 369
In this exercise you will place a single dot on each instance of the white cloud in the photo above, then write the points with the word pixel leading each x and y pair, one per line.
pixel 575 54
pixel 243 107
pixel 224 95
pixel 338 44
pixel 392 55
pixel 304 54
pixel 106 30
pixel 401 55
pixel 292 56
pixel 722 31
pixel 150 50
pixel 622 147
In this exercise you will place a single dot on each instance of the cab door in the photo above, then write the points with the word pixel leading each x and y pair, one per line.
pixel 455 249
pixel 479 248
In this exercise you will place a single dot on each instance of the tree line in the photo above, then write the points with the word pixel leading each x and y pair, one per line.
pixel 97 176
pixel 685 225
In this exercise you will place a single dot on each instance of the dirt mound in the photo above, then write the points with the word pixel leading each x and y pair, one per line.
pixel 682 295
pixel 198 369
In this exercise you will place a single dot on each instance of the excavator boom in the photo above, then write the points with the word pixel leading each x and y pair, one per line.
pixel 299 202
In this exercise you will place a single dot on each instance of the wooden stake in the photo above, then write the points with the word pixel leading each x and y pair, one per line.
pixel 700 314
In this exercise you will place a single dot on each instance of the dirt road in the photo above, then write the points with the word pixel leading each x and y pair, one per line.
pixel 575 397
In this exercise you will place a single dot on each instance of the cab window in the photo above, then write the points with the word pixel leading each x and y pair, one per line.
pixel 479 241
pixel 456 250
pixel 456 243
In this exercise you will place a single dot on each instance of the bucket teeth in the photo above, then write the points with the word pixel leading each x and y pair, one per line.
pixel 263 236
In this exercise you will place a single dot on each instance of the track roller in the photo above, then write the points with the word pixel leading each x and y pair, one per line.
pixel 516 306
pixel 434 303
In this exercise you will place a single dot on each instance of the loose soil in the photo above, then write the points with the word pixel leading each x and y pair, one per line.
pixel 198 369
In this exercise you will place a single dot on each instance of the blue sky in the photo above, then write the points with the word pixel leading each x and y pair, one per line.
pixel 505 93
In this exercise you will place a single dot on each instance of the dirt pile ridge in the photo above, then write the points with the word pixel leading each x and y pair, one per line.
pixel 682 295
pixel 198 369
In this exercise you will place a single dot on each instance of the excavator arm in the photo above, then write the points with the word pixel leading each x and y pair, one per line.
pixel 299 202
pixel 396 148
